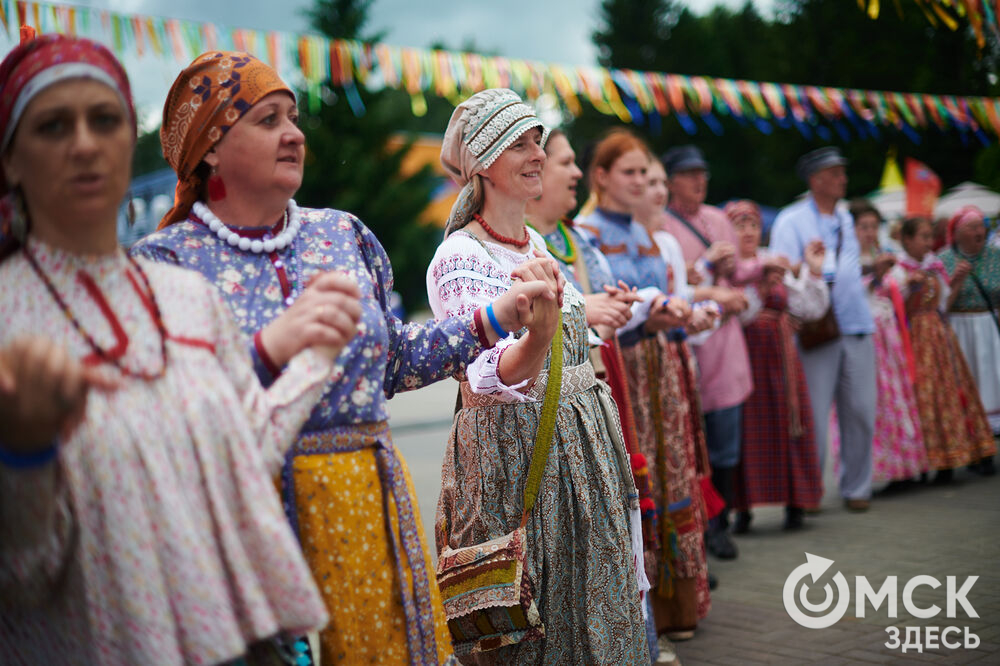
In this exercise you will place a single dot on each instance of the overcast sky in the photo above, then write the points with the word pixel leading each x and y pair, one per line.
pixel 546 30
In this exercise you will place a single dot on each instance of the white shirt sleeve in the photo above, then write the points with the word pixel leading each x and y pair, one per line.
pixel 808 295
pixel 462 277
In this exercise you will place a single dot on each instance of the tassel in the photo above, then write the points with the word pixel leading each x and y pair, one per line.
pixel 216 188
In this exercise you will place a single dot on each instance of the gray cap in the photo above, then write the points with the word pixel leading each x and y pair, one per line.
pixel 683 158
pixel 816 160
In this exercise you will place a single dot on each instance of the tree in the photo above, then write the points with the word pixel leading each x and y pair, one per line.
pixel 350 167
pixel 822 42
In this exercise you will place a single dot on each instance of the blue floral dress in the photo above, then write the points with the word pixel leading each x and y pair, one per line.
pixel 346 490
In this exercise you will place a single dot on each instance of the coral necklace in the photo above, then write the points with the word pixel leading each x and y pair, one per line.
pixel 103 354
pixel 499 237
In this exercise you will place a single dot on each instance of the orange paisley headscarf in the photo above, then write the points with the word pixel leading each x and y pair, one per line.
pixel 208 98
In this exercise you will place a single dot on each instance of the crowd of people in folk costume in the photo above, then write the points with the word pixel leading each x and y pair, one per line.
pixel 632 383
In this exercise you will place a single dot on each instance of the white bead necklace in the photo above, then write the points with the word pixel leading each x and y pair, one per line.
pixel 257 246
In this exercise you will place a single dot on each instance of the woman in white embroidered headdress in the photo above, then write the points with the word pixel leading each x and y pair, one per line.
pixel 581 552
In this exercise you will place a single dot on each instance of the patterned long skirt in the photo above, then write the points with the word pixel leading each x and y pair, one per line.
pixel 663 390
pixel 778 462
pixel 954 423
pixel 579 547
pixel 898 451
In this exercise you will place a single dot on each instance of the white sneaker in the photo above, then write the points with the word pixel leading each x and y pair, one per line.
pixel 668 653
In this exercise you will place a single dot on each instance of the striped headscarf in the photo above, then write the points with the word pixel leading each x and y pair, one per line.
pixel 205 101
pixel 480 129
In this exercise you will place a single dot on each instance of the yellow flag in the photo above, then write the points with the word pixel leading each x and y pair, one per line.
pixel 892 177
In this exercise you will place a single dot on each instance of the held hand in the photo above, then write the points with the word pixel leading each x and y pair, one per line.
pixel 720 251
pixel 606 310
pixel 773 276
pixel 732 301
pixel 666 313
pixel 725 258
pixel 623 293
pixel 702 319
pixel 514 309
pixel 814 255
pixel 694 277
pixel 962 270
pixel 542 267
pixel 325 315
pixel 883 263
pixel 43 393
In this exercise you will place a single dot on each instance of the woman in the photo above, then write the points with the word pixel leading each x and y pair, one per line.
pixel 778 460
pixel 973 303
pixel 229 131
pixel 954 425
pixel 581 555
pixel 137 526
pixel 661 384
pixel 898 451
pixel 608 308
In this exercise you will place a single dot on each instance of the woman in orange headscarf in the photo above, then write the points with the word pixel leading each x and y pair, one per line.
pixel 229 130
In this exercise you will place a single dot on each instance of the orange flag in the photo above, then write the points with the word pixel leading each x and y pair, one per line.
pixel 922 188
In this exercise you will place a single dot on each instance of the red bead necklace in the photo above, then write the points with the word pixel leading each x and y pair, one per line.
pixel 104 354
pixel 501 238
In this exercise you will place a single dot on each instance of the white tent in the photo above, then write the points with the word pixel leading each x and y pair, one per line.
pixel 969 194
pixel 890 202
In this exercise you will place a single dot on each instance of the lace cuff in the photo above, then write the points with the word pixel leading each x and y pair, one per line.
pixel 484 377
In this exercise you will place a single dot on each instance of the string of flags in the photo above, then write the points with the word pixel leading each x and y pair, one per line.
pixel 632 96
pixel 982 15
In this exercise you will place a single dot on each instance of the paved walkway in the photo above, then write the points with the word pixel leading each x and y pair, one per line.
pixel 936 531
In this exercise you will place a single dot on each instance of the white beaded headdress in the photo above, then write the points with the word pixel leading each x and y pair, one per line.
pixel 480 129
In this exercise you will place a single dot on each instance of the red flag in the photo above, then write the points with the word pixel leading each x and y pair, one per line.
pixel 922 189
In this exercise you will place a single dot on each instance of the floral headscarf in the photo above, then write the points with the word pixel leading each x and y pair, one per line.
pixel 206 100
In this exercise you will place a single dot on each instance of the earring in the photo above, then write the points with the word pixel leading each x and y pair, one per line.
pixel 216 188
pixel 19 216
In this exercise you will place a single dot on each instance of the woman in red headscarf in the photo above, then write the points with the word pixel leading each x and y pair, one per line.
pixel 973 305
pixel 778 459
pixel 136 525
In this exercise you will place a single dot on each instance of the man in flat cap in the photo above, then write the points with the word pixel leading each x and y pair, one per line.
pixel 840 367
pixel 708 242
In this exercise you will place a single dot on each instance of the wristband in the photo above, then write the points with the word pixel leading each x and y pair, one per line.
pixel 265 358
pixel 494 323
pixel 480 329
pixel 28 460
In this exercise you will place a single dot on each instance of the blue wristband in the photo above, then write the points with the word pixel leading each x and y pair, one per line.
pixel 28 460
pixel 494 323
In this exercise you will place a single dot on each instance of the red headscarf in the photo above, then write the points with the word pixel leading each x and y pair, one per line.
pixel 742 208
pixel 39 62
pixel 206 100
pixel 964 214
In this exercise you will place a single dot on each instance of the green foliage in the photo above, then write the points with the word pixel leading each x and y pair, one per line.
pixel 148 156
pixel 819 42
pixel 350 167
